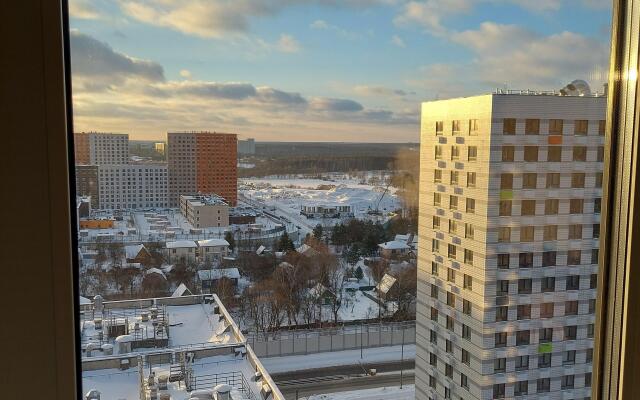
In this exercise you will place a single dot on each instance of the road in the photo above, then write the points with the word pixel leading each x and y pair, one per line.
pixel 345 378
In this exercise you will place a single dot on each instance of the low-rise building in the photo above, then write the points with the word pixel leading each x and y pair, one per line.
pixel 394 249
pixel 205 211
pixel 137 253
pixel 211 250
pixel 209 278
pixel 181 251
pixel 326 211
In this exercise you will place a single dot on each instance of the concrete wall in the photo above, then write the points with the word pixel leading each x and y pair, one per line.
pixel 310 342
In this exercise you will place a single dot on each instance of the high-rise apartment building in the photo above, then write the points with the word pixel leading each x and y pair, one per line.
pixel 87 183
pixel 510 196
pixel 101 148
pixel 202 162
pixel 132 186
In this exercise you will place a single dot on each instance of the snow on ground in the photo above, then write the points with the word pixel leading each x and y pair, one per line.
pixel 113 383
pixel 293 192
pixel 335 358
pixel 393 392
pixel 357 306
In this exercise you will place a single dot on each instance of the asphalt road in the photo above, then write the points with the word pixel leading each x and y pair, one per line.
pixel 342 378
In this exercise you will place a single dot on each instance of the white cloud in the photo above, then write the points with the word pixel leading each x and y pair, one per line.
pixel 185 73
pixel 376 90
pixel 287 44
pixel 217 18
pixel 83 9
pixel 523 59
pixel 320 24
pixel 397 40
pixel 429 14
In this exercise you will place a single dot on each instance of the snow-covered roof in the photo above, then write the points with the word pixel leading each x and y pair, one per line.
pixel 217 273
pixel 182 290
pixel 155 271
pixel 386 283
pixel 212 243
pixel 260 250
pixel 181 244
pixel 84 301
pixel 402 238
pixel 394 245
pixel 133 250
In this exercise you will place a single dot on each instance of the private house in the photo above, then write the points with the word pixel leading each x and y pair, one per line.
pixel 181 250
pixel 322 294
pixel 209 277
pixel 212 250
pixel 137 253
pixel 394 249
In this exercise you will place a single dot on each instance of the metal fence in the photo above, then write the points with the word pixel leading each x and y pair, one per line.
pixel 349 337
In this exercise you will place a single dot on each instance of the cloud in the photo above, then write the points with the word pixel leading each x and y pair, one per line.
pixel 320 24
pixel 82 9
pixel 397 40
pixel 287 44
pixel 215 19
pixel 513 55
pixel 185 73
pixel 121 93
pixel 335 105
pixel 430 13
pixel 367 90
pixel 99 65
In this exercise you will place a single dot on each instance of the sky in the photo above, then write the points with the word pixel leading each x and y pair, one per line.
pixel 317 70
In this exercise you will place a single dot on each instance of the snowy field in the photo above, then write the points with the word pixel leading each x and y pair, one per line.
pixel 392 392
pixel 289 194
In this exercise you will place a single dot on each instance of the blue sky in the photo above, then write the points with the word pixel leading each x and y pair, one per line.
pixel 317 70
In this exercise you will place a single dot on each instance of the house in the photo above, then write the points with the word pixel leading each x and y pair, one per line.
pixel 211 250
pixel 209 277
pixel 322 294
pixel 307 251
pixel 181 250
pixel 154 281
pixel 137 253
pixel 394 249
pixel 326 211
pixel 182 290
pixel 410 239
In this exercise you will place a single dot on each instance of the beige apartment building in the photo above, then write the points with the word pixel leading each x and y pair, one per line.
pixel 205 211
pixel 510 196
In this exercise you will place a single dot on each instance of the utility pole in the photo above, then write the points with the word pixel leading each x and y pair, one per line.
pixel 402 357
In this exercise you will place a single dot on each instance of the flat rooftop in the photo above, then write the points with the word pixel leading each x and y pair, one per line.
pixel 123 327
pixel 175 346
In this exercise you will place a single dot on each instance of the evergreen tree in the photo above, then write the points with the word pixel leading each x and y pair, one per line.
pixel 317 232
pixel 228 236
pixel 359 274
pixel 285 243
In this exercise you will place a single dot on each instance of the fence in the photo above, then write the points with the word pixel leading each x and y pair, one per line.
pixel 350 337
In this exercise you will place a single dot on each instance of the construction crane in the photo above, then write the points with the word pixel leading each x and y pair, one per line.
pixel 376 210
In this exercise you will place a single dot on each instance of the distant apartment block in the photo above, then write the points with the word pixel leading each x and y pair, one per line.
pixel 202 162
pixel 247 147
pixel 510 198
pixel 204 211
pixel 160 147
pixel 101 148
pixel 133 186
pixel 87 183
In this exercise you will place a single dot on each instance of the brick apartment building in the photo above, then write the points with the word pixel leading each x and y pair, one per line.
pixel 202 162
